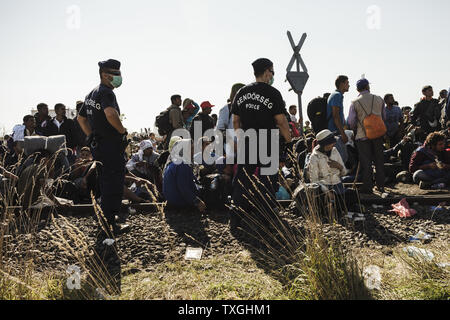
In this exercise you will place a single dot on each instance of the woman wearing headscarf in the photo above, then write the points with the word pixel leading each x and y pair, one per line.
pixel 179 183
pixel 141 162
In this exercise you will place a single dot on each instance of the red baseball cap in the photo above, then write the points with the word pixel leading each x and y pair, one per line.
pixel 206 104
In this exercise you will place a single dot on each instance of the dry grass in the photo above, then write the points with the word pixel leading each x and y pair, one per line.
pixel 231 277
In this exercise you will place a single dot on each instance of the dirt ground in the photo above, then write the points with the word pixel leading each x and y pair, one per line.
pixel 162 237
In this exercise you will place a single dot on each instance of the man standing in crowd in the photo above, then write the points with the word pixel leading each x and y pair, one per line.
pixel 42 119
pixel 80 137
pixel 100 120
pixel 175 115
pixel 225 120
pixel 443 97
pixel 204 118
pixel 369 150
pixel 61 125
pixel 393 121
pixel 335 114
pixel 427 113
pixel 258 106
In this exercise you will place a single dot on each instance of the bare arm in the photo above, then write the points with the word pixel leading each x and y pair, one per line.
pixel 338 123
pixel 84 124
pixel 236 122
pixel 283 124
pixel 113 118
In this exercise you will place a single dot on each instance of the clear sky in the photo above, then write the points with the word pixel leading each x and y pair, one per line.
pixel 200 48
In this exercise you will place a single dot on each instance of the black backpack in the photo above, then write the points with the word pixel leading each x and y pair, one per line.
pixel 163 123
pixel 317 114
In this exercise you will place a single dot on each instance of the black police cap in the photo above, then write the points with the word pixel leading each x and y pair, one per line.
pixel 109 64
pixel 262 65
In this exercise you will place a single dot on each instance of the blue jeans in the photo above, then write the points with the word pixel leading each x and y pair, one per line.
pixel 341 147
pixel 433 176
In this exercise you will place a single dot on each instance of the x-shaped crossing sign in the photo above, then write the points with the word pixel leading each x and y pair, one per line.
pixel 297 57
pixel 298 78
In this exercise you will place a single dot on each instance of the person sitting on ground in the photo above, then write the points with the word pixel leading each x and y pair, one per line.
pixel 325 165
pixel 84 175
pixel 446 133
pixel 154 141
pixel 430 164
pixel 13 159
pixel 179 183
pixel 141 163
pixel 198 157
pixel 27 129
pixel 326 168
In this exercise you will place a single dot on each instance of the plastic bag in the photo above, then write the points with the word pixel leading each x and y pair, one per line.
pixel 372 277
pixel 403 210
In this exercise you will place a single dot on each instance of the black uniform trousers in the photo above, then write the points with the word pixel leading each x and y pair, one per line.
pixel 111 176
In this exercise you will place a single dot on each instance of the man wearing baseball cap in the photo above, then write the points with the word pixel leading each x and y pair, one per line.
pixel 203 118
pixel 369 150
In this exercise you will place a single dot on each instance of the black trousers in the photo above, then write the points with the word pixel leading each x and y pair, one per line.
pixel 371 151
pixel 255 197
pixel 111 176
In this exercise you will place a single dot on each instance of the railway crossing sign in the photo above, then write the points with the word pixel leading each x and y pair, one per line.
pixel 297 79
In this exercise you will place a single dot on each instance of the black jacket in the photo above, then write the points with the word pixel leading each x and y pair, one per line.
pixel 41 126
pixel 207 123
pixel 67 128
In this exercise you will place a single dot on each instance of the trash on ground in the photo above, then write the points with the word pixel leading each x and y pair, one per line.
pixel 419 253
pixel 438 208
pixel 421 236
pixel 193 253
pixel 443 265
pixel 375 206
pixel 372 277
pixel 131 210
pixel 403 210
pixel 109 242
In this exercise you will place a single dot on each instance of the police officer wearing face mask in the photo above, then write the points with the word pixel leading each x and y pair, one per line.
pixel 99 118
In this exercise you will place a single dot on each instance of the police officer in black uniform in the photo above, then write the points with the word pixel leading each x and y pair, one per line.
pixel 258 106
pixel 99 118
